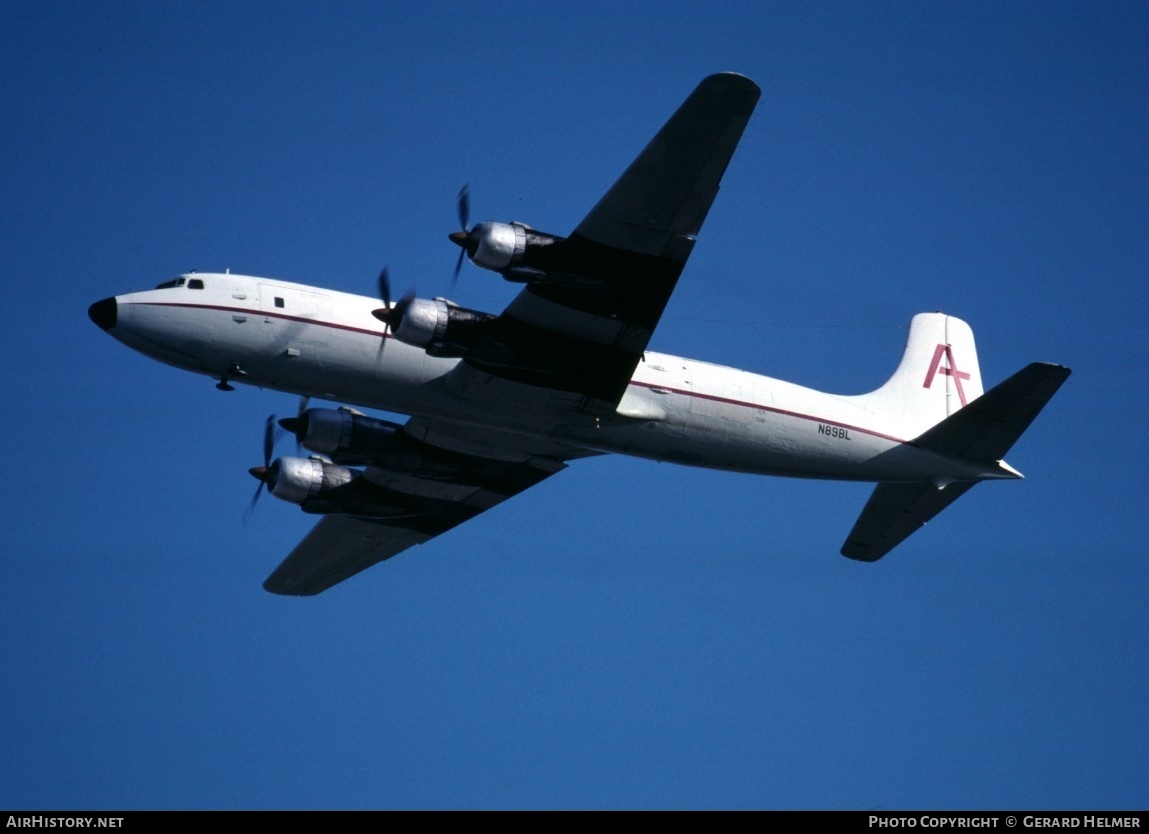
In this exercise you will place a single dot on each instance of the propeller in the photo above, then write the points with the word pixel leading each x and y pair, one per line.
pixel 392 316
pixel 463 239
pixel 386 313
pixel 297 425
pixel 264 474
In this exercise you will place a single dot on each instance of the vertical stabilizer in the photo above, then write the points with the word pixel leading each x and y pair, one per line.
pixel 938 375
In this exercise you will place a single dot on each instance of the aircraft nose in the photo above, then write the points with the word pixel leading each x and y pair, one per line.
pixel 103 313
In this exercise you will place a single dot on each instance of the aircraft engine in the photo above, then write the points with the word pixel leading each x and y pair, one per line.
pixel 301 481
pixel 344 435
pixel 441 327
pixel 513 249
pixel 351 438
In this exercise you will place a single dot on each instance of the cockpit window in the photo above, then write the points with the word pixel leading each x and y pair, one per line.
pixel 190 283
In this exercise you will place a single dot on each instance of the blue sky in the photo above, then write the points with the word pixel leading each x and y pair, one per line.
pixel 627 634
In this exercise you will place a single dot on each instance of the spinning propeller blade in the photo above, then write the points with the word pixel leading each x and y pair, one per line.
pixel 297 425
pixel 263 473
pixel 462 238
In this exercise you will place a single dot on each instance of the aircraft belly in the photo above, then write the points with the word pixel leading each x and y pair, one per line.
pixel 763 440
pixel 785 448
pixel 352 367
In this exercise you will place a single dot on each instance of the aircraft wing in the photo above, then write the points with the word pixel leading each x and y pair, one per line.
pixel 456 472
pixel 584 336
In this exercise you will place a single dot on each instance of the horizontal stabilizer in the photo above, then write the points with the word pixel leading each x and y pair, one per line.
pixel 987 427
pixel 895 511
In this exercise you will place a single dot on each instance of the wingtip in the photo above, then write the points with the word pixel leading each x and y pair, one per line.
pixel 860 552
pixel 287 591
pixel 732 80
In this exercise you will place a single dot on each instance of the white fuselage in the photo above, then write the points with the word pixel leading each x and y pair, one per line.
pixel 322 343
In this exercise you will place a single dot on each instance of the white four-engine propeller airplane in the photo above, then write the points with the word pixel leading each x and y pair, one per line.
pixel 500 402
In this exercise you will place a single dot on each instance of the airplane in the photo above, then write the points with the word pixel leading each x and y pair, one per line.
pixel 500 402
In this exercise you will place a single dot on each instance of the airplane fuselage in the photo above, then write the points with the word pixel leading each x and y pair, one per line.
pixel 322 343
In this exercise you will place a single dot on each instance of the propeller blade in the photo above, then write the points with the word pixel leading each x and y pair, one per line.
pixel 463 203
pixel 254 499
pixel 386 313
pixel 462 238
pixel 262 473
pixel 268 439
pixel 297 425
pixel 458 267
pixel 385 286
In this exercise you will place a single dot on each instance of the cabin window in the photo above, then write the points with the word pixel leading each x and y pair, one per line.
pixel 195 284
pixel 167 285
pixel 278 302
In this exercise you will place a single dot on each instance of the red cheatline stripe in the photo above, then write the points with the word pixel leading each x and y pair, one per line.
pixel 773 410
pixel 681 391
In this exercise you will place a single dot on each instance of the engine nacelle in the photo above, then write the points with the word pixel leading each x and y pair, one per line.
pixel 322 487
pixel 343 435
pixel 440 326
pixel 348 437
pixel 303 481
pixel 514 249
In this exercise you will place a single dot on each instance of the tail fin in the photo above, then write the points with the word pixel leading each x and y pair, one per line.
pixel 938 375
pixel 984 431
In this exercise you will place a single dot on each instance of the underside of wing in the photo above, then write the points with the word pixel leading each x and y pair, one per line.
pixel 338 547
pixel 893 513
pixel 455 473
pixel 582 329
